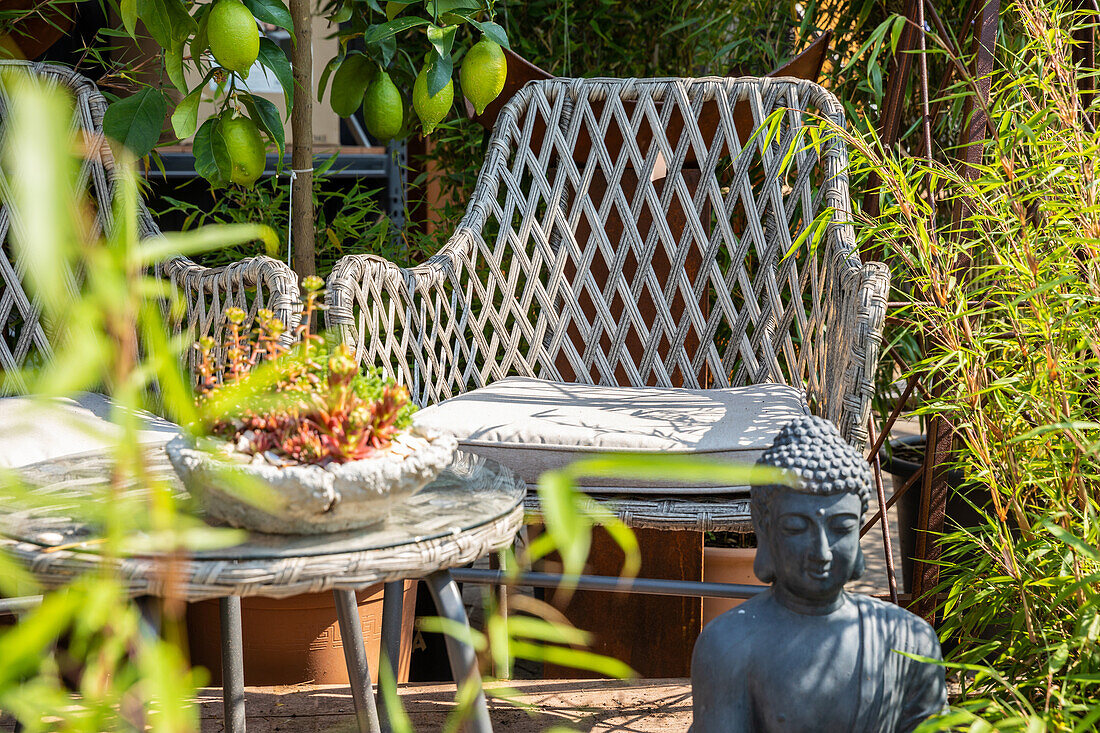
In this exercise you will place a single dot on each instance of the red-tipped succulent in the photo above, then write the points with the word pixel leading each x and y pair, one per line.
pixel 317 408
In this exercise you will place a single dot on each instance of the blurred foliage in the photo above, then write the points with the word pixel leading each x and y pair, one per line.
pixel 85 660
pixel 88 637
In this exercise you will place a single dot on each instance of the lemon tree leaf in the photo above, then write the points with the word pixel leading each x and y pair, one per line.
pixel 438 7
pixel 185 118
pixel 200 42
pixel 331 66
pixel 393 8
pixel 136 121
pixel 266 115
pixel 173 64
pixel 391 28
pixel 439 73
pixel 272 57
pixel 492 31
pixel 271 11
pixel 212 160
pixel 442 39
pixel 388 48
pixel 166 20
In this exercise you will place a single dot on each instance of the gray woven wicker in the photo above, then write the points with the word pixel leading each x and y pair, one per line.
pixel 641 232
pixel 471 509
pixel 250 284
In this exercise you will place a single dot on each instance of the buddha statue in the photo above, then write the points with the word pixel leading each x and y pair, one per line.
pixel 806 655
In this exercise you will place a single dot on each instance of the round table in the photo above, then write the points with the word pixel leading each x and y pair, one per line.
pixel 475 506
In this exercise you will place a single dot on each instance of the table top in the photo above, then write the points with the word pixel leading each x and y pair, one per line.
pixel 475 505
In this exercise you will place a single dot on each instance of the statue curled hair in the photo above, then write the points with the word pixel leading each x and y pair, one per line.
pixel 821 462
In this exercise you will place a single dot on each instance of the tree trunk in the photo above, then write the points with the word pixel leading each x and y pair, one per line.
pixel 304 259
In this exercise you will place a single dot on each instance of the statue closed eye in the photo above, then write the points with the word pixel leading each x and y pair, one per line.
pixel 806 655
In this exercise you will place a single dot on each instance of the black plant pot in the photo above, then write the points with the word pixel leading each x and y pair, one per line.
pixel 904 457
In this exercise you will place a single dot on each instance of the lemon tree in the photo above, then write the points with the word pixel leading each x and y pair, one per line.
pixel 416 45
pixel 221 40
pixel 396 62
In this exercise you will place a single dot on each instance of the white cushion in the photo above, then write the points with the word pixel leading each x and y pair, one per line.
pixel 36 429
pixel 533 425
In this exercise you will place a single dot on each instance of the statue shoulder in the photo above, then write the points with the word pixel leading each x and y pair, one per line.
pixel 736 629
pixel 918 634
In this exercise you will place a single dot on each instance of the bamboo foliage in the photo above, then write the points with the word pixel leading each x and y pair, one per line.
pixel 1008 304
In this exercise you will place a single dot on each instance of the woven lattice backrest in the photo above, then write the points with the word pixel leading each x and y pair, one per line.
pixel 634 232
pixel 23 335
pixel 250 284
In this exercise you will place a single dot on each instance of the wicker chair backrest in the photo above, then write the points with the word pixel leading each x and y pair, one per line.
pixel 633 232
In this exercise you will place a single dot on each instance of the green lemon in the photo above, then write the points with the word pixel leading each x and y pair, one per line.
pixel 233 36
pixel 483 73
pixel 383 108
pixel 247 154
pixel 431 110
pixel 348 84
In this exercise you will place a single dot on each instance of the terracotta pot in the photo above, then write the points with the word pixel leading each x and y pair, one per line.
pixel 726 565
pixel 290 641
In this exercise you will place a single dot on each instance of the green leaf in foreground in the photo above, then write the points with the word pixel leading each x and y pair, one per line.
pixel 137 120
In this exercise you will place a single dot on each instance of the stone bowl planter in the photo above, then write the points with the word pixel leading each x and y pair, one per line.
pixel 308 499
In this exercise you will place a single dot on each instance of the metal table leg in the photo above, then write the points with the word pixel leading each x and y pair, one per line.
pixel 448 603
pixel 392 611
pixel 232 664
pixel 355 655
pixel 393 596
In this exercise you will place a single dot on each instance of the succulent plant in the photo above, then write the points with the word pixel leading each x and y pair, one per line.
pixel 312 404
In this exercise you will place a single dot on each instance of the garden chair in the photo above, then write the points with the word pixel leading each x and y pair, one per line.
pixel 662 265
pixel 249 284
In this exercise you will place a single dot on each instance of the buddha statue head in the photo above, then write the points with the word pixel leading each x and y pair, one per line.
pixel 808 533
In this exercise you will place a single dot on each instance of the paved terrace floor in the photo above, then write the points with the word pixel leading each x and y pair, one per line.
pixel 585 705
